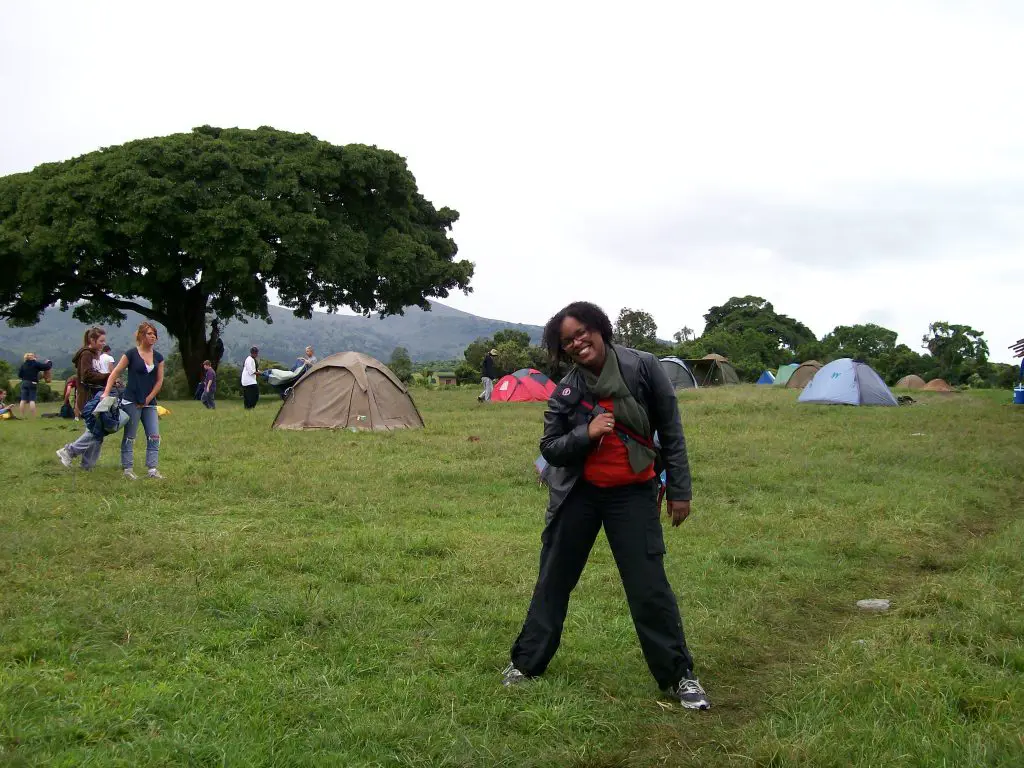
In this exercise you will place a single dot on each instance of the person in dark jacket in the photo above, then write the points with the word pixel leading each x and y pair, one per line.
pixel 487 376
pixel 88 367
pixel 90 384
pixel 29 375
pixel 599 440
pixel 209 385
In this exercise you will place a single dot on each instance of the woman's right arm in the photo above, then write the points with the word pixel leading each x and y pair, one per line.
pixel 562 444
pixel 112 378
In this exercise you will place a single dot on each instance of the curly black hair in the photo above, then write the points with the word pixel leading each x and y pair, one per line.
pixel 587 314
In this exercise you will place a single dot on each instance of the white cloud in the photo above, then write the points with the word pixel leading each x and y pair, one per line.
pixel 579 141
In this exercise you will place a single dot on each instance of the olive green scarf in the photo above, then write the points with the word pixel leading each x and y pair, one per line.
pixel 628 412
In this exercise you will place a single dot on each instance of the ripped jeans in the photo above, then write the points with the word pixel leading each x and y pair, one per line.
pixel 151 424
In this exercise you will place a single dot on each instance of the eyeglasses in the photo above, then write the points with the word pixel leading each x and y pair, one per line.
pixel 580 334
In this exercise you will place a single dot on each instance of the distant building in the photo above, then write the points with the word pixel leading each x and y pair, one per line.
pixel 445 379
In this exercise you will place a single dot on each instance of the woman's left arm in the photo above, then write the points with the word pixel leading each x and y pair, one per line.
pixel 663 409
pixel 159 382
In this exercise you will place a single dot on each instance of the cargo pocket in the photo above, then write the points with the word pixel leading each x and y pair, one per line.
pixel 655 536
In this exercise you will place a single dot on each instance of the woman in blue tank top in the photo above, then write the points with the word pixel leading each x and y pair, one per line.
pixel 145 368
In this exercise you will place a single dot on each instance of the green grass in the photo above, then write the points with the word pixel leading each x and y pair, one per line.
pixel 349 599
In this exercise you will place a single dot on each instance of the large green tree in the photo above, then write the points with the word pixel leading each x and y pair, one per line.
pixel 200 224
pixel 635 328
pixel 739 314
pixel 867 342
pixel 959 350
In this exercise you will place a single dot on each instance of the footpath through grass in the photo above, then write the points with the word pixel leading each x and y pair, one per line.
pixel 321 598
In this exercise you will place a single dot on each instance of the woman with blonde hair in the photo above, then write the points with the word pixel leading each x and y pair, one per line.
pixel 145 368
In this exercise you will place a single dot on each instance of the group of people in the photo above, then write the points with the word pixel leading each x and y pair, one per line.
pixel 206 391
pixel 143 369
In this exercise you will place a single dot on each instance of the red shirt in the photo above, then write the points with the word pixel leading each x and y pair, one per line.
pixel 607 466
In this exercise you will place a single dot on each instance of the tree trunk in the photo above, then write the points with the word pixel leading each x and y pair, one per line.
pixel 187 323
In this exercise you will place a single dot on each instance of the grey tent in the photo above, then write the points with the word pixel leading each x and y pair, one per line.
pixel 847 382
pixel 712 371
pixel 678 373
pixel 349 390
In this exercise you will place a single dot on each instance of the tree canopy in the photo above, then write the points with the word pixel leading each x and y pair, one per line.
pixel 401 364
pixel 959 350
pixel 739 314
pixel 635 328
pixel 184 227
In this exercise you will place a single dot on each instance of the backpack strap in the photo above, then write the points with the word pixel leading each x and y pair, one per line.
pixel 573 397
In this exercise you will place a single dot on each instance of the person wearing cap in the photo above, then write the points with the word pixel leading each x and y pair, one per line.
pixel 487 376
pixel 250 387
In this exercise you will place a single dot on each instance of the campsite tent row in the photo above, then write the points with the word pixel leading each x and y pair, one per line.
pixel 350 390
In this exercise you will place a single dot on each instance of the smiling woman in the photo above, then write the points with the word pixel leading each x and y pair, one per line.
pixel 599 443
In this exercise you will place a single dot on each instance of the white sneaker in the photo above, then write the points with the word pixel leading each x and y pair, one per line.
pixel 154 474
pixel 511 676
pixel 691 694
pixel 64 456
pixel 129 475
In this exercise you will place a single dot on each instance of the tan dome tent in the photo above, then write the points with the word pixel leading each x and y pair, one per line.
pixel 348 390
pixel 937 385
pixel 719 358
pixel 912 381
pixel 802 375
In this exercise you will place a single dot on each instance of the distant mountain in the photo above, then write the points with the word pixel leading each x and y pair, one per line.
pixel 441 334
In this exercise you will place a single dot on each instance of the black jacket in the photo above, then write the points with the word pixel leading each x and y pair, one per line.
pixel 488 368
pixel 30 370
pixel 565 444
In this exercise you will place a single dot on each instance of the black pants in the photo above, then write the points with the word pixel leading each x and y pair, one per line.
pixel 251 395
pixel 630 518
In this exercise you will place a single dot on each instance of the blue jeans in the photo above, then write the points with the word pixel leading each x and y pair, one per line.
pixel 151 425
pixel 209 398
pixel 88 447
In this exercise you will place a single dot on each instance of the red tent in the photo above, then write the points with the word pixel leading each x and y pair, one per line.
pixel 525 385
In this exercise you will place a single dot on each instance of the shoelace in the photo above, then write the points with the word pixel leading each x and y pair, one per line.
pixel 513 673
pixel 690 686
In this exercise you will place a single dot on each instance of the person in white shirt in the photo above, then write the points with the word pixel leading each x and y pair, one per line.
pixel 105 362
pixel 250 387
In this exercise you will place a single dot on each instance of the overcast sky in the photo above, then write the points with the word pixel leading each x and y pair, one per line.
pixel 848 161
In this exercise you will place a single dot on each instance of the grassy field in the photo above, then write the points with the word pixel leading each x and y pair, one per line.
pixel 349 599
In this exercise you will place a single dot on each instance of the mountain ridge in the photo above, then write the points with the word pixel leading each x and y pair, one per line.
pixel 443 333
